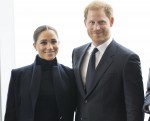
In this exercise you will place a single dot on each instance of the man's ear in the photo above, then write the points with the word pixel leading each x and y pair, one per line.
pixel 111 21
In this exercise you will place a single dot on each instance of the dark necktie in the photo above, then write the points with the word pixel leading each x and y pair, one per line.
pixel 90 70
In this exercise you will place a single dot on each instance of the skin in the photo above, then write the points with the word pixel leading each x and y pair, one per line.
pixel 47 45
pixel 98 26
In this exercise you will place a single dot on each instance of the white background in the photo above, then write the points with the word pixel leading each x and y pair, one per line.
pixel 131 28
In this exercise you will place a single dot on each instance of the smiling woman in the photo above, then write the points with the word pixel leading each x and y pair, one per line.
pixel 46 42
pixel 46 90
pixel 131 28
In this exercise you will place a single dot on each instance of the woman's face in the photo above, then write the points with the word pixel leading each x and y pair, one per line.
pixel 47 45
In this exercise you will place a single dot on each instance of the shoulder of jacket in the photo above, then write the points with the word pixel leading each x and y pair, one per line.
pixel 24 68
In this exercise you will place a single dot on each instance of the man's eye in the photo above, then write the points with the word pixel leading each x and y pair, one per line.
pixel 102 22
pixel 92 22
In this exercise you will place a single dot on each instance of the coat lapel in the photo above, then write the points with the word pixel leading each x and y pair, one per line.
pixel 35 84
pixel 103 66
pixel 59 89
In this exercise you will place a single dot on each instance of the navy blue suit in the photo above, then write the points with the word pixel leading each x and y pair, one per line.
pixel 116 92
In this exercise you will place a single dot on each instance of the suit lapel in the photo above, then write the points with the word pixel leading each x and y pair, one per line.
pixel 77 70
pixel 35 84
pixel 103 66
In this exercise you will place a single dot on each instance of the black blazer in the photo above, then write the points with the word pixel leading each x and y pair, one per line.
pixel 116 93
pixel 23 92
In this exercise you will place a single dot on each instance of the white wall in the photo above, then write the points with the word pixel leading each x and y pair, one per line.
pixel 7 45
pixel 0 87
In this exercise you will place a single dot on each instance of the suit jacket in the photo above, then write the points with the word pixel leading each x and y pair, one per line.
pixel 24 87
pixel 116 93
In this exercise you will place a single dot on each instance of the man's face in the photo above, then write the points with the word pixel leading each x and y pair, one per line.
pixel 98 26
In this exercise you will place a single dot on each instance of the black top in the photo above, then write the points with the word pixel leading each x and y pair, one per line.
pixel 46 106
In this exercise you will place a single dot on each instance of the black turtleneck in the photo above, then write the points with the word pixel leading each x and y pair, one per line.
pixel 46 106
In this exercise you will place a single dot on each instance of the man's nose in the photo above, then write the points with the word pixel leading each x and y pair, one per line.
pixel 97 26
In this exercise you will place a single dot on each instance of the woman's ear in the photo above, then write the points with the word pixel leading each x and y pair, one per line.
pixel 84 22
pixel 34 45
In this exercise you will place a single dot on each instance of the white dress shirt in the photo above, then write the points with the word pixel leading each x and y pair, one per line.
pixel 149 107
pixel 99 55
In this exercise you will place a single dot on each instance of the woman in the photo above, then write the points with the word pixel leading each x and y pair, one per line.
pixel 44 90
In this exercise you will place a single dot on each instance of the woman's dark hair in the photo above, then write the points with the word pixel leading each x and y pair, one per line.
pixel 40 29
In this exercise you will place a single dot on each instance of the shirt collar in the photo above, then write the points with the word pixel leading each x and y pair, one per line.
pixel 101 47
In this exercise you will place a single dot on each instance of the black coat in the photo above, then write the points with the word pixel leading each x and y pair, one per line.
pixel 116 92
pixel 24 87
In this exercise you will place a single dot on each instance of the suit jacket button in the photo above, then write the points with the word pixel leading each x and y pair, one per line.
pixel 60 118
pixel 85 101
pixel 81 118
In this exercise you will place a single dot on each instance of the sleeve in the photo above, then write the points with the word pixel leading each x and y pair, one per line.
pixel 133 89
pixel 10 114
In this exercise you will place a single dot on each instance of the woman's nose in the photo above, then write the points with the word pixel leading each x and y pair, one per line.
pixel 49 45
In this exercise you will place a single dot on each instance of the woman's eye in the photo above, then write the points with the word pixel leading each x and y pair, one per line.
pixel 54 42
pixel 43 43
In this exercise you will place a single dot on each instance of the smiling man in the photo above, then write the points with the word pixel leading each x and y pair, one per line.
pixel 113 90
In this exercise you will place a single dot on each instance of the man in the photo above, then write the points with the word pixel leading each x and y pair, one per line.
pixel 146 106
pixel 115 90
